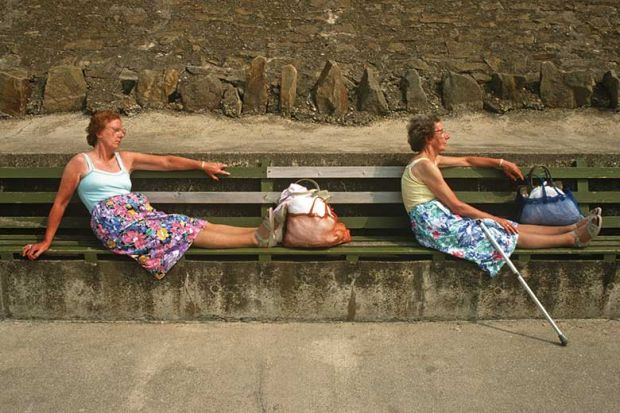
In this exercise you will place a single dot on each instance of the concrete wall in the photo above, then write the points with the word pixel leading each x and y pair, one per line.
pixel 308 291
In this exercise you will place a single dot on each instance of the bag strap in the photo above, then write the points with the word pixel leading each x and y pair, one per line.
pixel 312 181
pixel 316 192
pixel 547 177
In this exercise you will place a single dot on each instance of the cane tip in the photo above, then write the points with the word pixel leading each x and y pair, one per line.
pixel 563 340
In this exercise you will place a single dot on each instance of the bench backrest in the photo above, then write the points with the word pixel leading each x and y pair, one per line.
pixel 366 198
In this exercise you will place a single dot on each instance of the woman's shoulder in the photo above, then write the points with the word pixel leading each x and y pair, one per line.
pixel 77 160
pixel 421 162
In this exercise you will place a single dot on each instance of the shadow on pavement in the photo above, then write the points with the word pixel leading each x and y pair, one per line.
pixel 557 343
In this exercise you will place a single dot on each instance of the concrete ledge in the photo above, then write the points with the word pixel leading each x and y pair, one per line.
pixel 305 291
pixel 342 158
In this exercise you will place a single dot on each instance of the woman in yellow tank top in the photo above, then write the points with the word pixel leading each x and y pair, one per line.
pixel 441 221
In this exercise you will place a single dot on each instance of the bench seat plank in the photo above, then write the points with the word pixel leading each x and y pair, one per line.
pixel 362 246
pixel 400 222
pixel 263 198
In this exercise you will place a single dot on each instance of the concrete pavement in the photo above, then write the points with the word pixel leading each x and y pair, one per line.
pixel 529 132
pixel 336 367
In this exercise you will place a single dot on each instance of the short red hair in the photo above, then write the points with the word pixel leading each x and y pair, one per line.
pixel 98 122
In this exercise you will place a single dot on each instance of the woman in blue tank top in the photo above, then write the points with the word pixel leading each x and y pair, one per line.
pixel 124 221
pixel 446 223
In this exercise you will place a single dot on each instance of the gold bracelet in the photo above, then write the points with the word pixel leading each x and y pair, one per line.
pixel 501 162
pixel 202 165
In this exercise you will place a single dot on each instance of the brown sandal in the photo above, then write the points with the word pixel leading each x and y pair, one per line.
pixel 594 225
pixel 265 233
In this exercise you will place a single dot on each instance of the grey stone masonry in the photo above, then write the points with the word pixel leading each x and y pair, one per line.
pixel 288 89
pixel 461 92
pixel 231 102
pixel 256 92
pixel 370 97
pixel 14 92
pixel 612 84
pixel 413 93
pixel 155 86
pixel 201 92
pixel 65 90
pixel 468 38
pixel 569 90
pixel 330 94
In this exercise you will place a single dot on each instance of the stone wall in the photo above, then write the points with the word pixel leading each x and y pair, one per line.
pixel 344 60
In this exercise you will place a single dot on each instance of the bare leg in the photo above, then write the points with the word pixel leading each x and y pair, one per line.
pixel 210 237
pixel 533 240
pixel 229 229
pixel 546 230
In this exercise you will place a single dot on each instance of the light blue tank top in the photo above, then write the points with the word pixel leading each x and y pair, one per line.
pixel 98 185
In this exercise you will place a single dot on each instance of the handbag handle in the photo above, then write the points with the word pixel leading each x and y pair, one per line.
pixel 530 176
pixel 547 177
pixel 328 209
pixel 312 181
pixel 317 192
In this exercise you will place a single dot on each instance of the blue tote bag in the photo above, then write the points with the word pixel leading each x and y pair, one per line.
pixel 546 204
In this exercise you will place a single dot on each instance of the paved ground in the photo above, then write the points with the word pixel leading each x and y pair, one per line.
pixel 340 367
pixel 575 131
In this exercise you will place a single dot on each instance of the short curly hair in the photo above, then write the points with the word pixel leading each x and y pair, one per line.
pixel 98 122
pixel 419 129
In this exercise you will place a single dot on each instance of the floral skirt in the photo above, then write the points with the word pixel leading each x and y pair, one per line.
pixel 128 225
pixel 435 226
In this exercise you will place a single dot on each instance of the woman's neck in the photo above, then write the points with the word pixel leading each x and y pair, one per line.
pixel 428 153
pixel 103 153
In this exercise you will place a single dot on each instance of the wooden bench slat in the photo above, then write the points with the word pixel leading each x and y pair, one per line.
pixel 296 172
pixel 293 172
pixel 261 198
pixel 41 222
pixel 56 173
pixel 334 172
pixel 351 222
pixel 364 251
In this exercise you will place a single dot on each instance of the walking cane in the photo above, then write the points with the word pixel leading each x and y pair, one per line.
pixel 563 339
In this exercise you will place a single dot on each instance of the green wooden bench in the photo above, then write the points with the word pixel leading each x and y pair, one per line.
pixel 366 198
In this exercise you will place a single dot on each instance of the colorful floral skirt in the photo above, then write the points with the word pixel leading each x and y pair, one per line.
pixel 435 226
pixel 128 225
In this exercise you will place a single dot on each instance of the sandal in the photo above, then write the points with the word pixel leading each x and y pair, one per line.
pixel 592 213
pixel 265 233
pixel 593 228
pixel 279 217
pixel 596 211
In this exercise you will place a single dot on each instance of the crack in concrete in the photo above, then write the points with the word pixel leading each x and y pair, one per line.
pixel 4 297
pixel 151 363
pixel 259 393
pixel 19 131
pixel 352 305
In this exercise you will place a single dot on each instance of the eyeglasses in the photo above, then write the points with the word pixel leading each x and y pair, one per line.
pixel 116 130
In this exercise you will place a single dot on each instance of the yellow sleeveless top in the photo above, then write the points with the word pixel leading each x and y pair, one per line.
pixel 413 191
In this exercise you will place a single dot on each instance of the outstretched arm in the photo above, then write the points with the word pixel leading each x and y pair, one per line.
pixel 68 183
pixel 510 169
pixel 142 161
pixel 430 175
